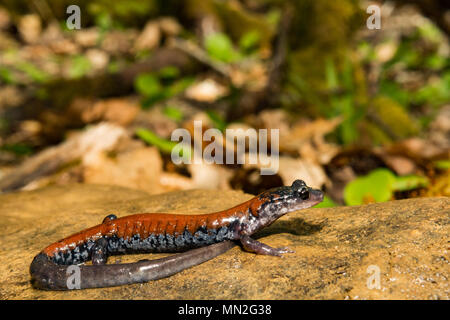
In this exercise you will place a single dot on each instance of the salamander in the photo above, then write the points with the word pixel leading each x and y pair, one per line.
pixel 198 237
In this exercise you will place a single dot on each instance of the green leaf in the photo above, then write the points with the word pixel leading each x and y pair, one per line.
pixel 249 41
pixel 395 92
pixel 442 164
pixel 33 72
pixel 331 75
pixel 273 17
pixel 18 149
pixel 435 62
pixel 164 145
pixel 379 186
pixel 169 72
pixel 148 85
pixel 178 87
pixel 409 182
pixel 79 67
pixel 219 46
pixel 434 93
pixel 104 21
pixel 6 76
pixel 326 203
pixel 173 113
pixel 348 128
pixel 430 32
pixel 376 186
pixel 217 120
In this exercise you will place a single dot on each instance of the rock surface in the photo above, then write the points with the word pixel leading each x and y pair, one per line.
pixel 337 251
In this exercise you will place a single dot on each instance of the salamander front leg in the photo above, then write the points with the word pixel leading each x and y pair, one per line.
pixel 252 245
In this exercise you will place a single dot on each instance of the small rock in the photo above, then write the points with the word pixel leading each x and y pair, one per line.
pixel 65 46
pixel 5 20
pixel 149 37
pixel 206 91
pixel 119 42
pixel 87 37
pixel 52 33
pixel 169 26
pixel 30 28
pixel 98 58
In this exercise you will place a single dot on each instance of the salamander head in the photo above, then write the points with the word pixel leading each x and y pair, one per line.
pixel 279 201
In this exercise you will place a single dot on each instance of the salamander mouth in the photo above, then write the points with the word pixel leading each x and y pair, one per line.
pixel 315 196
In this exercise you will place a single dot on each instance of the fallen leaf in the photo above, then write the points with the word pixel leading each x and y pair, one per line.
pixel 207 90
pixel 209 176
pixel 149 38
pixel 30 28
pixel 292 169
pixel 138 169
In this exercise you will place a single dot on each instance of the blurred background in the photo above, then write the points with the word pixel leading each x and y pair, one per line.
pixel 363 114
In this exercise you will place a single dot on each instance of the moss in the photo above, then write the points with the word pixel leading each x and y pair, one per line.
pixel 395 117
pixel 322 32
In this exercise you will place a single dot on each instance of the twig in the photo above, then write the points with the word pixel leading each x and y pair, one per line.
pixel 200 55
pixel 100 138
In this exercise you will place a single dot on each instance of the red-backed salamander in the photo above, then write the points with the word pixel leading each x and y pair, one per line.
pixel 207 234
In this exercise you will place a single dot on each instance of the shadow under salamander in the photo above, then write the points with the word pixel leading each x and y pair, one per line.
pixel 295 226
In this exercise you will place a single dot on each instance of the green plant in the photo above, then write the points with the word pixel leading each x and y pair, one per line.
pixel 217 120
pixel 220 47
pixel 343 103
pixel 19 149
pixel 249 41
pixel 161 85
pixel 326 203
pixel 7 76
pixel 33 72
pixel 442 164
pixel 79 66
pixel 173 113
pixel 163 145
pixel 379 186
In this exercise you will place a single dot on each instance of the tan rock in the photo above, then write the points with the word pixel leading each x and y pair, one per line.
pixel 169 26
pixel 149 37
pixel 118 42
pixel 338 251
pixel 87 37
pixel 5 19
pixel 30 28
pixel 98 58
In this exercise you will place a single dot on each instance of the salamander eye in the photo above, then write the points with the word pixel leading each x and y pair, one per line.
pixel 304 193
pixel 298 184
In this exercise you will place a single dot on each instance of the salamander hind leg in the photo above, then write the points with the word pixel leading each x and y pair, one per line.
pixel 252 245
pixel 100 252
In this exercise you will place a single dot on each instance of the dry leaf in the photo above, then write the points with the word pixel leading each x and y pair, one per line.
pixel 138 169
pixel 149 38
pixel 169 26
pixel 207 90
pixel 30 28
pixel 121 111
pixel 292 169
pixel 87 37
pixel 209 176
